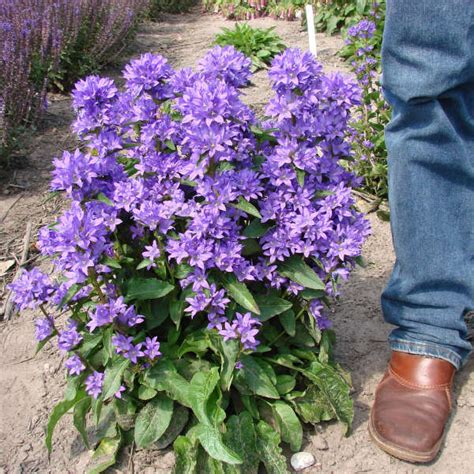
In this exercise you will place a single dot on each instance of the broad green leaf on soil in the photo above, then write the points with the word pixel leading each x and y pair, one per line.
pixel 312 406
pixel 105 455
pixel 141 289
pixel 245 206
pixel 241 436
pixel 288 425
pixel 302 337
pixel 256 229
pixel 113 377
pixel 268 445
pixel 79 418
pixel 200 389
pixel 313 329
pixel 335 390
pixel 180 418
pixel 255 377
pixel 271 305
pixel 285 383
pixel 163 376
pixel 239 292
pixel 295 269
pixel 288 321
pixel 228 352
pixel 186 456
pixel 153 420
pixel 211 440
pixel 58 412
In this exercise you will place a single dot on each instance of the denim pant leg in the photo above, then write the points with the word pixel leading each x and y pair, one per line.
pixel 428 78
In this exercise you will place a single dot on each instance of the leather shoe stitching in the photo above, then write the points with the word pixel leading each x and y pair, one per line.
pixel 408 384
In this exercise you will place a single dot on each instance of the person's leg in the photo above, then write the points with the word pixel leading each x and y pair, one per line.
pixel 428 78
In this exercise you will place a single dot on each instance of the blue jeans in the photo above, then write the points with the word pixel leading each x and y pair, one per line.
pixel 428 78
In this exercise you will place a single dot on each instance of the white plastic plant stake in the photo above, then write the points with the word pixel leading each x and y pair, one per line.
pixel 311 30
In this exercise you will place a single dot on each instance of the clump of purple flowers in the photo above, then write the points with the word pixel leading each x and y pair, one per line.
pixel 363 46
pixel 184 203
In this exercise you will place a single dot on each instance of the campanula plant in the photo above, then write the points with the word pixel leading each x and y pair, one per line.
pixel 195 263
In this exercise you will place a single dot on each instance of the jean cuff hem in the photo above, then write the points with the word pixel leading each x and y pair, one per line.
pixel 426 349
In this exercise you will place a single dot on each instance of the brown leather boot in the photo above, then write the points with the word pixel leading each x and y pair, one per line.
pixel 411 407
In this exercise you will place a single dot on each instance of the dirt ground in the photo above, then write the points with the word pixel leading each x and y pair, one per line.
pixel 29 387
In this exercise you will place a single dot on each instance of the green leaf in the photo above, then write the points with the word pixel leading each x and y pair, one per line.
pixel 300 175
pixel 170 144
pixel 256 229
pixel 251 247
pixel 285 383
pixel 288 321
pixel 241 436
pixel 113 377
pixel 186 456
pixel 89 343
pixel 201 387
pixel 112 263
pixel 58 412
pixel 335 390
pixel 256 378
pixel 163 376
pixel 239 292
pixel 73 290
pixel 288 425
pixel 197 342
pixel 146 393
pixel 268 445
pixel 144 263
pixel 105 455
pixel 245 206
pixel 310 294
pixel 124 413
pixel 182 270
pixel 103 198
pixel 153 420
pixel 147 289
pixel 312 406
pixel 228 352
pixel 298 271
pixel 271 305
pixel 79 418
pixel 180 419
pixel 360 6
pixel 97 404
pixel 211 440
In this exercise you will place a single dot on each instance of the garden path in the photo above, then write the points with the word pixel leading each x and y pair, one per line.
pixel 28 388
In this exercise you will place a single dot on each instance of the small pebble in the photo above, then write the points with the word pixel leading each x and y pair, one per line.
pixel 302 460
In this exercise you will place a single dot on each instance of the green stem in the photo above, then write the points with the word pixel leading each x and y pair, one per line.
pixel 95 284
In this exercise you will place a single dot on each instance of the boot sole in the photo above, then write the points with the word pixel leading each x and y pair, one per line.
pixel 402 453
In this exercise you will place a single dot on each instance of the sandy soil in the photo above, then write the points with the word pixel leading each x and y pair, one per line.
pixel 29 387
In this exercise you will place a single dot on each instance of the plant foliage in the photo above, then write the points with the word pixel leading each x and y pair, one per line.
pixel 194 264
pixel 261 45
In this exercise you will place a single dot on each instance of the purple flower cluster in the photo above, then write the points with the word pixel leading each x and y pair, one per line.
pixel 175 170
